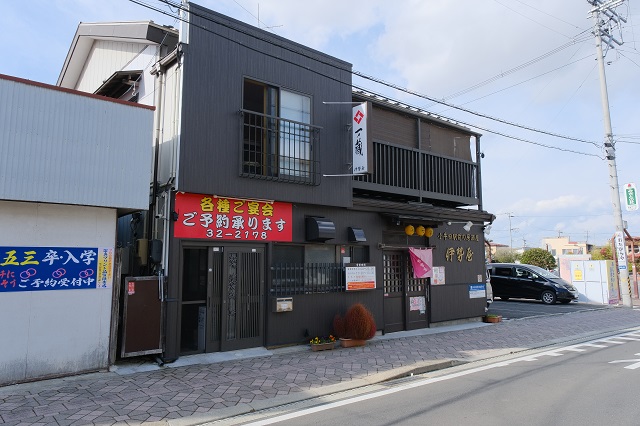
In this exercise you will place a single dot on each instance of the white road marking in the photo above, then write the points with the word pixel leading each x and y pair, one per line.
pixel 612 341
pixel 593 345
pixel 630 367
pixel 428 381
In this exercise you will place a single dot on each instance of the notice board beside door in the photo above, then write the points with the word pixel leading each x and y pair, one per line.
pixel 142 332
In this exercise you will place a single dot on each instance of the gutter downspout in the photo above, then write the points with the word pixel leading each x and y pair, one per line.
pixel 478 172
pixel 159 88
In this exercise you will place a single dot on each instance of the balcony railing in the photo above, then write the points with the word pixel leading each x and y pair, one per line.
pixel 414 173
pixel 278 149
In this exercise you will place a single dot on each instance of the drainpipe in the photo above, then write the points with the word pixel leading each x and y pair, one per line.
pixel 159 95
pixel 478 173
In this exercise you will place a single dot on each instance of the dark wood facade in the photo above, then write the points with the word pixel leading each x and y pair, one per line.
pixel 216 64
pixel 423 169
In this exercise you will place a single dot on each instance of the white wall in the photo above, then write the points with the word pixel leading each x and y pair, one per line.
pixel 71 148
pixel 54 332
pixel 105 58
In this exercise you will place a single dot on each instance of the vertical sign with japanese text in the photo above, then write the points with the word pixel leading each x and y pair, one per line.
pixel 359 131
pixel 55 268
pixel 223 218
pixel 630 196
pixel 621 250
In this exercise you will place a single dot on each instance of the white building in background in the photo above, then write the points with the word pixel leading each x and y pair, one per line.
pixel 565 251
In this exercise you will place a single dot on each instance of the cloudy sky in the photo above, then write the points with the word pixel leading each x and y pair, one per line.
pixel 524 62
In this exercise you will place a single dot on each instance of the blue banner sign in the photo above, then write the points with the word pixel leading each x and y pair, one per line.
pixel 51 268
pixel 477 291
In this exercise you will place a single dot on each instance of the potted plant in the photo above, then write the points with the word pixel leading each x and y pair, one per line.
pixel 356 327
pixel 322 343
pixel 492 318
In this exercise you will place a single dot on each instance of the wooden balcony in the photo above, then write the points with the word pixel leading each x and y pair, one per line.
pixel 402 173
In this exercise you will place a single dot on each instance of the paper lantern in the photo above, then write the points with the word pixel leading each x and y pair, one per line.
pixel 409 230
pixel 420 231
pixel 429 232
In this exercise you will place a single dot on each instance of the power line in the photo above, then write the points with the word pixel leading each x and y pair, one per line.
pixel 548 14
pixel 484 129
pixel 529 79
pixel 515 69
pixel 478 114
pixel 357 73
pixel 531 19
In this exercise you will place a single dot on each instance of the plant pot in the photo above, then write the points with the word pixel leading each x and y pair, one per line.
pixel 350 343
pixel 492 318
pixel 323 346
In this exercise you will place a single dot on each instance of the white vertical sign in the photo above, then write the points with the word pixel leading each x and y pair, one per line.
pixel 621 250
pixel 360 138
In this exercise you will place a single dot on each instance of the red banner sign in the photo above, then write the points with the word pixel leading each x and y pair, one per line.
pixel 221 218
pixel 422 262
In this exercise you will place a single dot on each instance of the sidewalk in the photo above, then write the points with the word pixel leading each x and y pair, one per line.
pixel 203 388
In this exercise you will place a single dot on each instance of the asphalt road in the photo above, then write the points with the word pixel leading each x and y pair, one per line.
pixel 591 383
pixel 518 308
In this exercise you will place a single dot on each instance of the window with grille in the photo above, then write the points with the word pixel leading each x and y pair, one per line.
pixel 279 142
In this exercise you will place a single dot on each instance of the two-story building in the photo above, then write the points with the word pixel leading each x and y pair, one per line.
pixel 272 205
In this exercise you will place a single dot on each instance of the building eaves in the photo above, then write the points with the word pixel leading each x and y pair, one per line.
pixel 422 211
pixel 144 32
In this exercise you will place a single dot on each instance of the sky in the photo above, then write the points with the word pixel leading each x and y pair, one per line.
pixel 501 67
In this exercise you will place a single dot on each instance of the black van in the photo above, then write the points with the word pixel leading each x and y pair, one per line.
pixel 530 282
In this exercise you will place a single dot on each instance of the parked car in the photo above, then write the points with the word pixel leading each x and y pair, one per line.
pixel 530 282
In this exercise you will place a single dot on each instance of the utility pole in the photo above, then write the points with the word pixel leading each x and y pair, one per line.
pixel 510 236
pixel 603 14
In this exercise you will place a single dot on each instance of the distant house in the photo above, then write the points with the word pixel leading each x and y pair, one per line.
pixel 491 249
pixel 633 248
pixel 563 246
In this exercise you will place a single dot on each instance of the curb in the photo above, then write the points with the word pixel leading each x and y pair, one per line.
pixel 371 383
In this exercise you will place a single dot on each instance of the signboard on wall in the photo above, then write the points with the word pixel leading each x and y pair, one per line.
pixel 360 137
pixel 477 291
pixel 438 275
pixel 223 218
pixel 360 276
pixel 55 268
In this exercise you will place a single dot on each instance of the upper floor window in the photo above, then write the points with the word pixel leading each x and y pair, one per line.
pixel 278 138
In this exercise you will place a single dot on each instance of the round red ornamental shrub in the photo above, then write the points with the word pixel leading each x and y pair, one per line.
pixel 359 323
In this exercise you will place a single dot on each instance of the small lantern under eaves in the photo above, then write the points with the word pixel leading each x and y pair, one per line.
pixel 409 230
